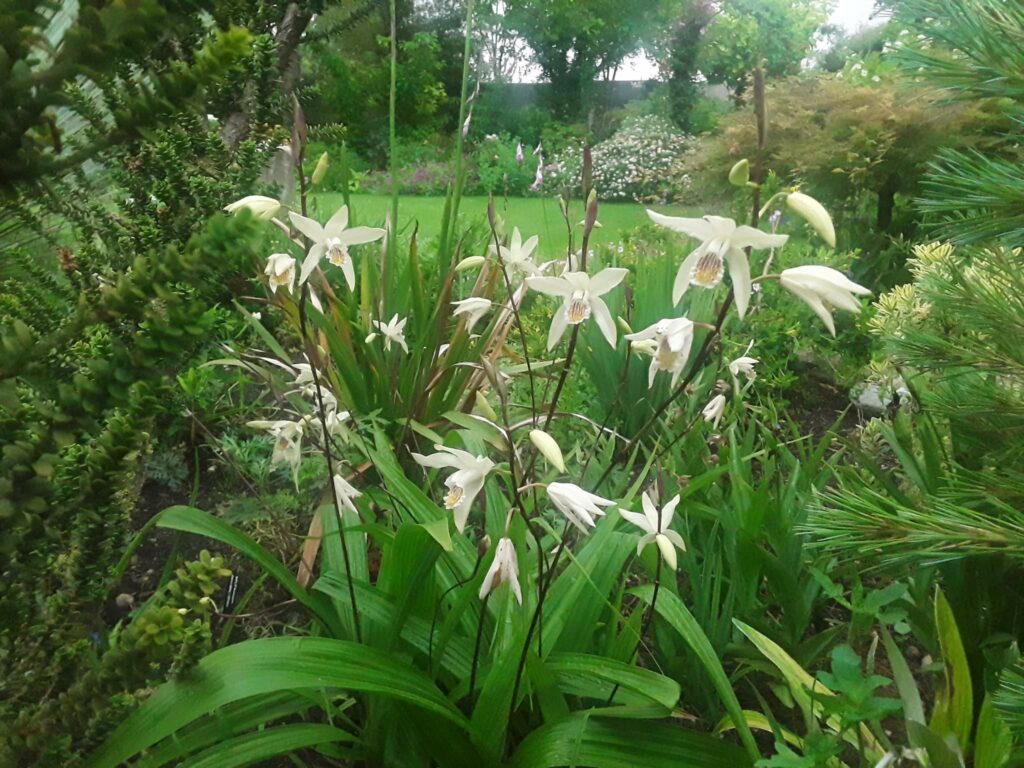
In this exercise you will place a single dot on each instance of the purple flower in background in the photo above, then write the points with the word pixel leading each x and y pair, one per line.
pixel 465 125
pixel 537 149
pixel 519 153
pixel 775 218
pixel 539 178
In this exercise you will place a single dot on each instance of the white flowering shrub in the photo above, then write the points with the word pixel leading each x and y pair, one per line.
pixel 637 163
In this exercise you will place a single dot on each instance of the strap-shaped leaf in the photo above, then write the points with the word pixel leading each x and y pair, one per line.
pixel 260 667
pixel 598 742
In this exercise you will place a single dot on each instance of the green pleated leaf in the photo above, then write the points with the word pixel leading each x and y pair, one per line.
pixel 585 740
pixel 230 721
pixel 675 612
pixel 254 747
pixel 259 667
pixel 596 676
pixel 192 520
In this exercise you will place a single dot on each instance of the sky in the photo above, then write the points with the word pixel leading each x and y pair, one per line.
pixel 851 15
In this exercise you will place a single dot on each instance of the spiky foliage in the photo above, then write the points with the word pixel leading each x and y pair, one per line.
pixel 943 483
pixel 971 48
pixel 77 78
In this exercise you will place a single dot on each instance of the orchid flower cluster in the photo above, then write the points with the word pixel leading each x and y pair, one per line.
pixel 722 246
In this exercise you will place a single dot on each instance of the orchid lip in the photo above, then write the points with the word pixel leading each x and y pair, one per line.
pixel 578 309
pixel 708 271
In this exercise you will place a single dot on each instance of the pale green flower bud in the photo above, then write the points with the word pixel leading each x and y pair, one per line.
pixel 814 213
pixel 740 173
pixel 320 171
pixel 546 444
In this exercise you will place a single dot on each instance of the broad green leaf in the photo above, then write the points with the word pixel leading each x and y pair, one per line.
pixel 954 704
pixel 192 520
pixel 675 612
pixel 255 747
pixel 440 531
pixel 993 744
pixel 268 666
pixel 232 720
pixel 589 676
pixel 584 739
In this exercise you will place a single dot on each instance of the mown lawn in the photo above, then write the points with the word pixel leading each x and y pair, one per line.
pixel 533 216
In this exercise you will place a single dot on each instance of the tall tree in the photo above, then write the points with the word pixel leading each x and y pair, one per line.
pixel 575 42
pixel 745 33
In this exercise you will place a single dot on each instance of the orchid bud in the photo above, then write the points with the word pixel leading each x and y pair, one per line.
pixel 484 407
pixel 320 171
pixel 546 444
pixel 739 176
pixel 470 262
pixel 623 325
pixel 815 215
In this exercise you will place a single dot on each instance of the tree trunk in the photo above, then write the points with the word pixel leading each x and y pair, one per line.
pixel 886 204
pixel 289 33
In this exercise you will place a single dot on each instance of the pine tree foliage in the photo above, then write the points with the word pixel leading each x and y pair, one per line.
pixel 972 49
pixel 956 332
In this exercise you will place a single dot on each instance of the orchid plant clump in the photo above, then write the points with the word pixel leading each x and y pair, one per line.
pixel 497 510
pixel 722 247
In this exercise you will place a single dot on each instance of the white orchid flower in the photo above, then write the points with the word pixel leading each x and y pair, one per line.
pixel 287 440
pixel 655 525
pixel 260 206
pixel 392 331
pixel 345 493
pixel 581 294
pixel 822 289
pixel 744 364
pixel 518 255
pixel 280 271
pixel 504 570
pixel 668 342
pixel 333 240
pixel 714 409
pixel 722 243
pixel 473 308
pixel 463 484
pixel 579 507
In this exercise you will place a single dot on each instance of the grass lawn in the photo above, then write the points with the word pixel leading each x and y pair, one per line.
pixel 533 216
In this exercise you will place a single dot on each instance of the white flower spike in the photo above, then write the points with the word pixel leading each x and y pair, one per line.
pixel 668 342
pixel 714 409
pixel 346 493
pixel 722 243
pixel 655 525
pixel 392 331
pixel 822 289
pixel 473 308
pixel 280 271
pixel 504 570
pixel 463 484
pixel 579 507
pixel 581 294
pixel 333 240
pixel 262 207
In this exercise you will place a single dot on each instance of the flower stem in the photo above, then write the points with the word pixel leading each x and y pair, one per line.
pixel 322 413
pixel 476 646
